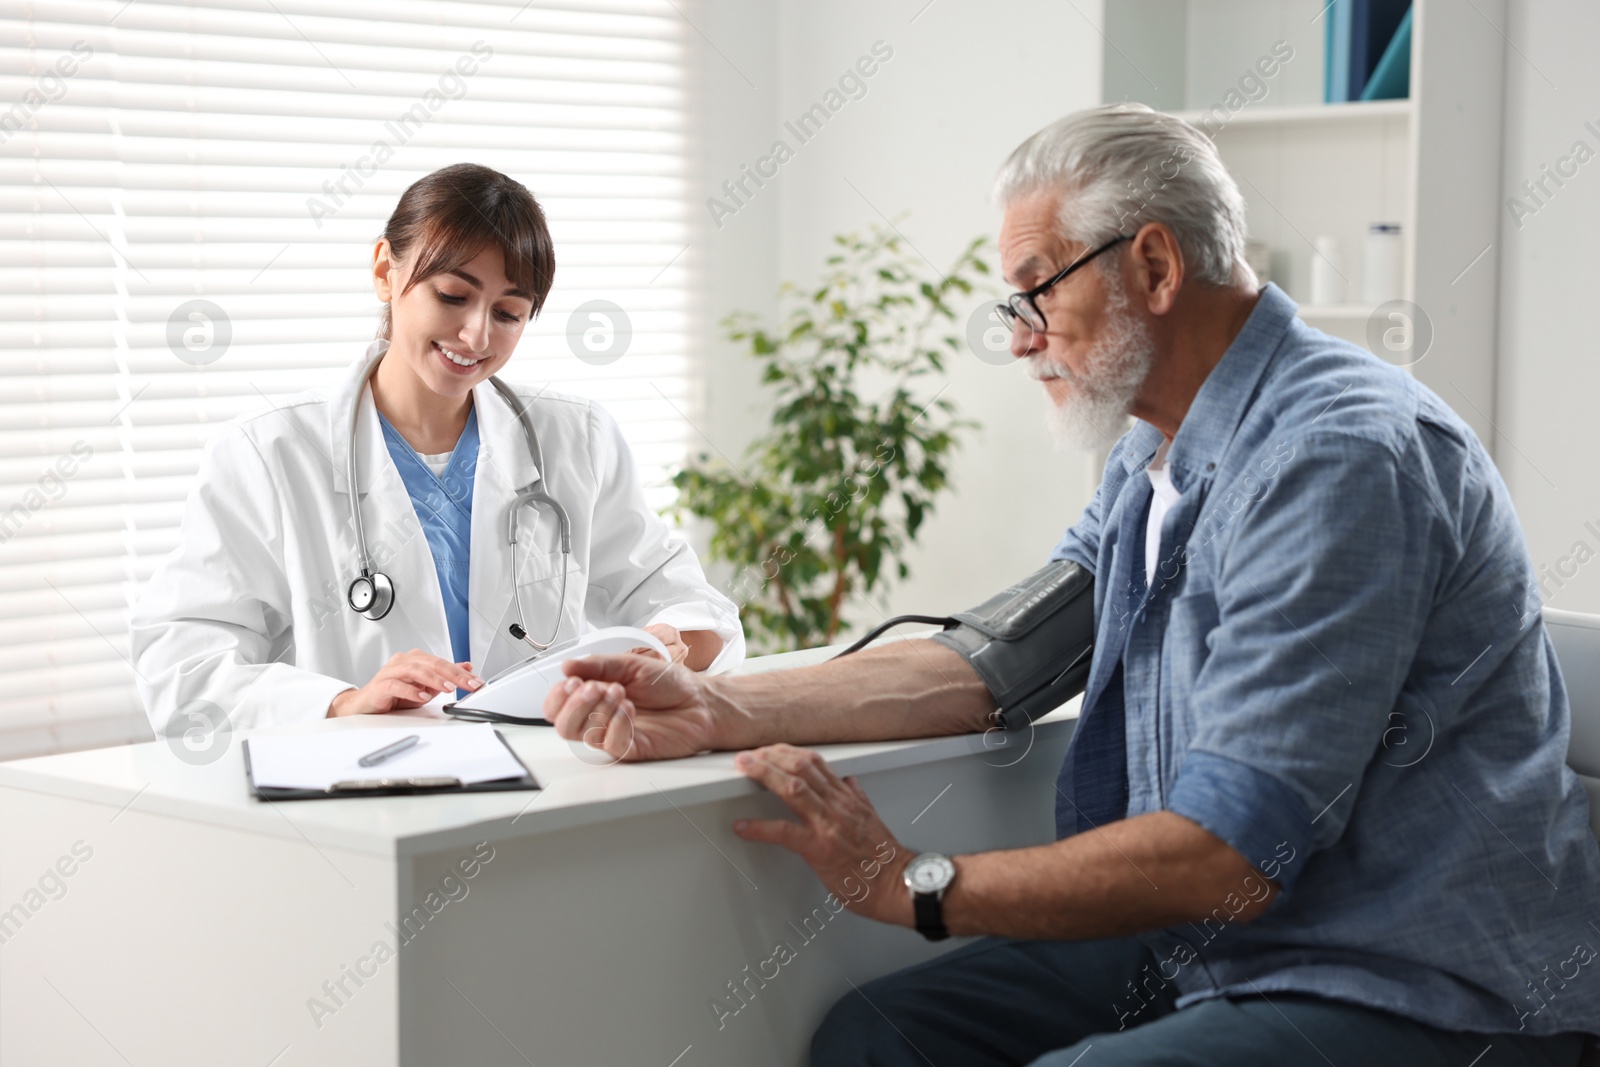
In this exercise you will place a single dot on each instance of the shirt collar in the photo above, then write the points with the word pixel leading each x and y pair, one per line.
pixel 1141 444
pixel 1224 397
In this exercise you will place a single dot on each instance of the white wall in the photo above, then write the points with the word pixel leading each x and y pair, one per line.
pixel 738 49
pixel 967 82
pixel 1549 377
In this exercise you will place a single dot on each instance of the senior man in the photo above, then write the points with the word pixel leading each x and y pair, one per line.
pixel 1298 550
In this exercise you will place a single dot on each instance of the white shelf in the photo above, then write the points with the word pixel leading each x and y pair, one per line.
pixel 1307 169
pixel 1371 111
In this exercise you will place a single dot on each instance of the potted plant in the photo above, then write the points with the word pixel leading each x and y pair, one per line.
pixel 836 490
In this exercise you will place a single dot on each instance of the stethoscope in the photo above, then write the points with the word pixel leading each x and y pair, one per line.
pixel 371 594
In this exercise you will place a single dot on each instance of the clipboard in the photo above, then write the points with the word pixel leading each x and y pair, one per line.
pixel 379 786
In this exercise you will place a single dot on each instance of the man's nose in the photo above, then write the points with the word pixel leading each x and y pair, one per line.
pixel 1025 340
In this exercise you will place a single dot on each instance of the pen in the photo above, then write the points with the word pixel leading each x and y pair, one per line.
pixel 372 759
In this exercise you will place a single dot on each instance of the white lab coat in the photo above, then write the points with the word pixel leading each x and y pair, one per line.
pixel 249 613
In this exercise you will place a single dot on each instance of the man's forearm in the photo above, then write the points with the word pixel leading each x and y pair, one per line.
pixel 913 688
pixel 1144 873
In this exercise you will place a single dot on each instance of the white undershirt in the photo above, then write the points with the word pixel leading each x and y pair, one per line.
pixel 1164 496
pixel 438 463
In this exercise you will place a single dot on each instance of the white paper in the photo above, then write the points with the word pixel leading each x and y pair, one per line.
pixel 520 691
pixel 471 753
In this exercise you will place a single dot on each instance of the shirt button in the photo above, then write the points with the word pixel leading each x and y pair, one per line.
pixel 1211 466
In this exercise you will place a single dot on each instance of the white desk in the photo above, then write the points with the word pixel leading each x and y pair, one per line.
pixel 617 906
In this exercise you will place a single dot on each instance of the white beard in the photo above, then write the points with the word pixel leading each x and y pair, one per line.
pixel 1095 411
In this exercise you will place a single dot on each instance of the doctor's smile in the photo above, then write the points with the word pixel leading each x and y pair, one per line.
pixel 457 360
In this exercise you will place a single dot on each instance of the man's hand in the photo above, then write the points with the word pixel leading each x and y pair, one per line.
pixel 641 709
pixel 632 707
pixel 839 835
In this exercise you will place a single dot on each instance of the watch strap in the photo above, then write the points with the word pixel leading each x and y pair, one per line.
pixel 929 911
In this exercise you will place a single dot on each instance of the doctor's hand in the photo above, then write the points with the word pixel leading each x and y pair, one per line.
pixel 677 647
pixel 632 707
pixel 408 680
pixel 839 833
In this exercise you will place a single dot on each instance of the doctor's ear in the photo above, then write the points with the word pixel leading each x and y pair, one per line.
pixel 387 271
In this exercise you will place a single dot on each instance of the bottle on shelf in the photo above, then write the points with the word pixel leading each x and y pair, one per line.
pixel 1380 264
pixel 1327 284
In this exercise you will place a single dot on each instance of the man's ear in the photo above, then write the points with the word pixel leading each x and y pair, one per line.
pixel 1158 265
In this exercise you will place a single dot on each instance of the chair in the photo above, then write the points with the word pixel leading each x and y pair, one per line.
pixel 1577 640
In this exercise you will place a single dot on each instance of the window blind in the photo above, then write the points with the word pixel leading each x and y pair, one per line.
pixel 190 198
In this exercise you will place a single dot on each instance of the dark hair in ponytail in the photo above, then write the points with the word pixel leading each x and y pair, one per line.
pixel 445 219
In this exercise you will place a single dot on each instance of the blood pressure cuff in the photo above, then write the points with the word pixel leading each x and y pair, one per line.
pixel 1030 643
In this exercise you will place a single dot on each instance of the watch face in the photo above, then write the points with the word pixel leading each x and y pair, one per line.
pixel 929 873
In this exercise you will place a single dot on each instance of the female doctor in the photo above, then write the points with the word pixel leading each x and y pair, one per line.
pixel 326 570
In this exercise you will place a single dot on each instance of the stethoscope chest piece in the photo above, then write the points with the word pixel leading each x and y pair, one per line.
pixel 371 595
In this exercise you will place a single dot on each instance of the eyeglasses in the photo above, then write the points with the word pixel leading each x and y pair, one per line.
pixel 1025 306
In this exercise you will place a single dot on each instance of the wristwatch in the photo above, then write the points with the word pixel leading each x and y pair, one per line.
pixel 928 876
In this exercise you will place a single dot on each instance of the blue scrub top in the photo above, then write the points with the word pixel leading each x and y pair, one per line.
pixel 444 506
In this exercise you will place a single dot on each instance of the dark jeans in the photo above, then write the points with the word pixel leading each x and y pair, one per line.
pixel 1004 1003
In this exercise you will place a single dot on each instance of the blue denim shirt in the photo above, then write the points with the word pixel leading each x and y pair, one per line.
pixel 1340 669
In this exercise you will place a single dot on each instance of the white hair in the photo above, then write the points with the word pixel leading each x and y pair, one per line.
pixel 1122 166
pixel 1095 411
